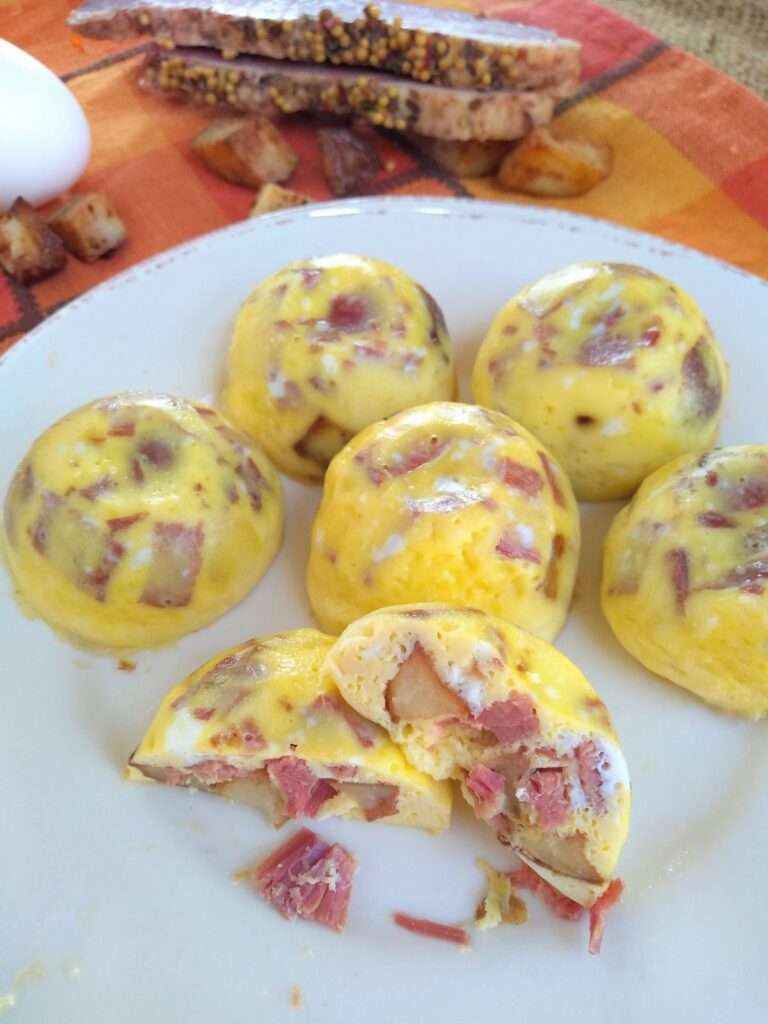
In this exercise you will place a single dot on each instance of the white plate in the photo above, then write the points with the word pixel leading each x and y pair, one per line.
pixel 124 893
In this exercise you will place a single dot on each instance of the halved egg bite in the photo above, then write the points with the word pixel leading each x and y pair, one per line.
pixel 471 697
pixel 257 724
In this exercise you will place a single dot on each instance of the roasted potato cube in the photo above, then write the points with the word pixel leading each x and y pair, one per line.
pixel 88 225
pixel 29 250
pixel 554 168
pixel 349 159
pixel 247 151
pixel 471 159
pixel 274 197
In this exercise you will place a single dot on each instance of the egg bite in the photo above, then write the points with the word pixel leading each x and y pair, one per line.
pixel 326 346
pixel 685 576
pixel 257 724
pixel 138 518
pixel 471 697
pixel 445 502
pixel 613 367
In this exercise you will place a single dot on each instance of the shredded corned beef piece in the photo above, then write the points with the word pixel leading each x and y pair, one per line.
pixel 588 761
pixel 310 878
pixel 303 793
pixel 512 719
pixel 488 790
pixel 610 898
pixel 431 929
pixel 567 909
pixel 546 789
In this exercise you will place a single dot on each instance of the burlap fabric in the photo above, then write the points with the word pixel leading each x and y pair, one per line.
pixel 732 35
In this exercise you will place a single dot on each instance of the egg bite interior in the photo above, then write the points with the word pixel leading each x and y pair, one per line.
pixel 472 698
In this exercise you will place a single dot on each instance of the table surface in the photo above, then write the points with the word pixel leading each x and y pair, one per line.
pixel 732 36
pixel 690 144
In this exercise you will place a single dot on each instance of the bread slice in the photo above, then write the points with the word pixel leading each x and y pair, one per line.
pixel 437 46
pixel 271 88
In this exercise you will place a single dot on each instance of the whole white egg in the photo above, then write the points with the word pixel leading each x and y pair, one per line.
pixel 45 141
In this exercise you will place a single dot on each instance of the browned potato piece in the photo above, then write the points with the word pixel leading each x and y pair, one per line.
pixel 349 159
pixel 29 250
pixel 88 225
pixel 472 159
pixel 274 197
pixel 554 168
pixel 247 151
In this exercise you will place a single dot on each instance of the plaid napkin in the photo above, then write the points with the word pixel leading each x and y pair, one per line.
pixel 690 147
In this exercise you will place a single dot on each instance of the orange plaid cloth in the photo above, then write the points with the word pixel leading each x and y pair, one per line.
pixel 690 146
